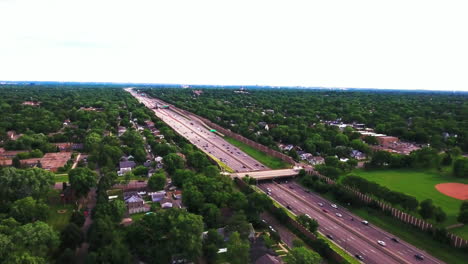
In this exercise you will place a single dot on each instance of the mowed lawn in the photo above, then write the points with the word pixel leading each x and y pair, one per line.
pixel 262 157
pixel 420 184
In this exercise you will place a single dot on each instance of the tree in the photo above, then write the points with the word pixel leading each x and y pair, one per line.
pixel 302 255
pixel 426 209
pixel 211 244
pixel 157 181
pixel 140 171
pixel 463 217
pixel 238 223
pixel 71 236
pixel 211 214
pixel 16 184
pixel 172 162
pixel 38 238
pixel 460 168
pixel 16 162
pixel 193 198
pixel 211 171
pixel 439 215
pixel 165 233
pixel 29 210
pixel 197 160
pixel 179 177
pixel 310 224
pixel 82 180
pixel 67 257
pixel 237 250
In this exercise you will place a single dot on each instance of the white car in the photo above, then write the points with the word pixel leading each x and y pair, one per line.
pixel 334 206
pixel 339 215
pixel 308 216
pixel 380 242
pixel 365 222
pixel 272 229
pixel 320 204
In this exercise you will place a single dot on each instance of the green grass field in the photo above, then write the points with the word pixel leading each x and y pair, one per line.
pixel 420 184
pixel 57 219
pixel 265 159
pixel 61 177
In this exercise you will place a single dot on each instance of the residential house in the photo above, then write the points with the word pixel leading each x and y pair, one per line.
pixel 158 196
pixel 135 203
pixel 125 166
pixel 166 203
pixel 269 259
pixel 177 195
pixel 305 156
pixel 316 160
pixel 121 130
pixel 356 154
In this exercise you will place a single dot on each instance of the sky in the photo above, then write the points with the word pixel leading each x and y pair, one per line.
pixel 408 44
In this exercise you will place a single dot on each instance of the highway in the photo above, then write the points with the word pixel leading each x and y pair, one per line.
pixel 200 135
pixel 352 235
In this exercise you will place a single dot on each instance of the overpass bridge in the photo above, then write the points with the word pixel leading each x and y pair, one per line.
pixel 267 174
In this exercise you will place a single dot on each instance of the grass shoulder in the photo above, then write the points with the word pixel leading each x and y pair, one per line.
pixel 262 157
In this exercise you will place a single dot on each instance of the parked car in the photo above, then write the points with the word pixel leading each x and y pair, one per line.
pixel 382 243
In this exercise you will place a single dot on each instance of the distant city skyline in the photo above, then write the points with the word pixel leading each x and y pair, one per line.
pixel 334 44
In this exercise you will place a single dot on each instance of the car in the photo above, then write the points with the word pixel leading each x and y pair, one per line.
pixel 290 187
pixel 269 193
pixel 320 204
pixel 264 221
pixel 382 243
pixel 334 206
pixel 268 189
pixel 307 191
pixel 394 239
pixel 272 229
pixel 365 222
pixel 419 257
pixel 289 207
pixel 339 215
pixel 325 210
pixel 330 237
pixel 308 215
pixel 359 257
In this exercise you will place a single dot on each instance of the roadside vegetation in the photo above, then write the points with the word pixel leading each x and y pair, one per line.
pixel 265 159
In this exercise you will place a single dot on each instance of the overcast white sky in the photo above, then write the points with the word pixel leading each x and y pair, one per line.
pixel 363 44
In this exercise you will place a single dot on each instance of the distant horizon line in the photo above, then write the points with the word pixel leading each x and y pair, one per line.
pixel 186 86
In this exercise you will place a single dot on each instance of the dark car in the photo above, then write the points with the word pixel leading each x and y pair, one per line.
pixel 289 207
pixel 330 237
pixel 325 210
pixel 394 239
pixel 359 257
pixel 419 257
pixel 290 187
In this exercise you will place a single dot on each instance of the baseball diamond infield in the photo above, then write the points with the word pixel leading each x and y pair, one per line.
pixel 455 190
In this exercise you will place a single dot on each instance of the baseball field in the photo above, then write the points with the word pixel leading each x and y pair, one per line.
pixel 422 185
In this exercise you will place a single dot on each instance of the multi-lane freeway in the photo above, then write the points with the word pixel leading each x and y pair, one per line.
pixel 200 135
pixel 338 224
pixel 344 228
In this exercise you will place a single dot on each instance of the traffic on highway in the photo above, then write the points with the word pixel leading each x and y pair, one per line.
pixel 367 243
pixel 200 135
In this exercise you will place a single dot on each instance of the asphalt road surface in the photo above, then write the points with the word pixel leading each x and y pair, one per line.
pixel 199 135
pixel 352 235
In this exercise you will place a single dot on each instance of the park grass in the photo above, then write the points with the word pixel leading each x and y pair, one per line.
pixel 61 177
pixel 262 157
pixel 421 185
pixel 460 231
pixel 55 219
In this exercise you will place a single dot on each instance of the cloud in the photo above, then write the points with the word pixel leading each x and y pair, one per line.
pixel 397 44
